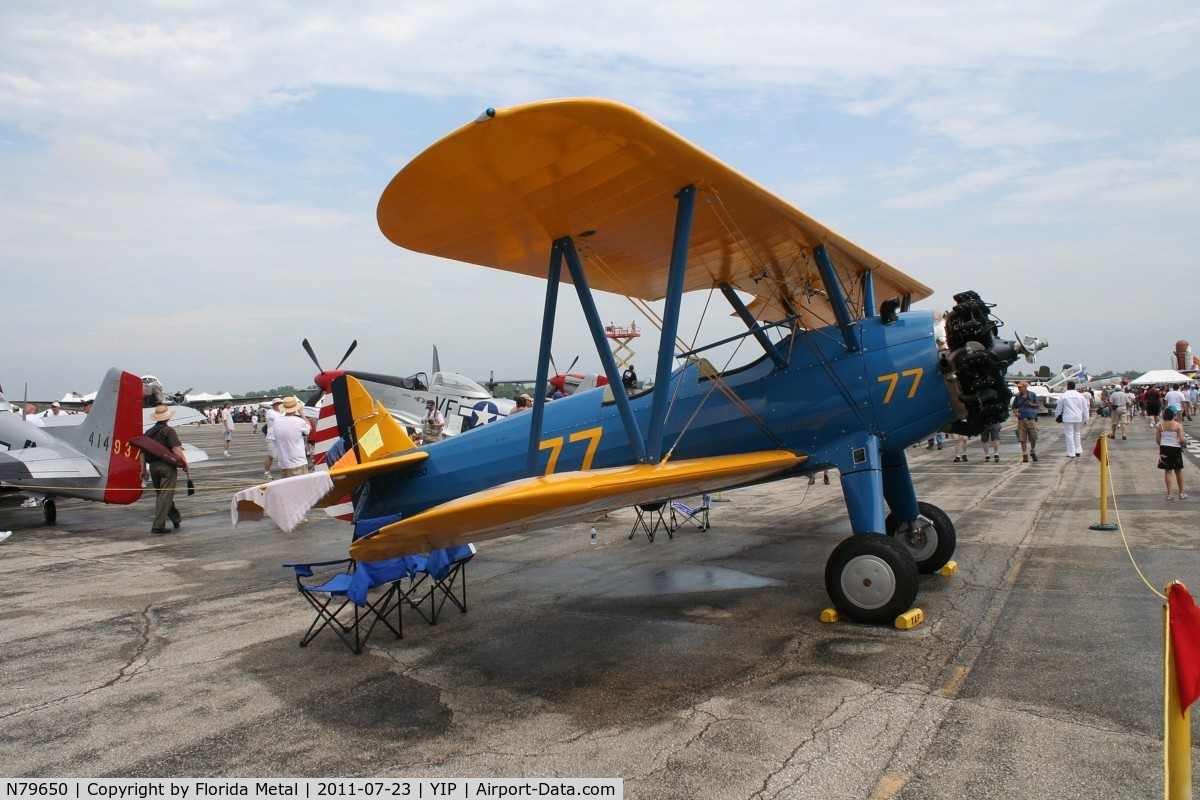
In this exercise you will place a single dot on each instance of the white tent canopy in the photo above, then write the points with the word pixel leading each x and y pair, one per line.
pixel 205 397
pixel 1160 376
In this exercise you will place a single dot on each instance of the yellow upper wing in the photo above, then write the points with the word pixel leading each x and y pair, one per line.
pixel 535 503
pixel 499 191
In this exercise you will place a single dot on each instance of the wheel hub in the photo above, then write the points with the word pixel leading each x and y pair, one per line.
pixel 868 581
pixel 919 536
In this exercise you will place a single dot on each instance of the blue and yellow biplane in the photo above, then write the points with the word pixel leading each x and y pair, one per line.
pixel 596 195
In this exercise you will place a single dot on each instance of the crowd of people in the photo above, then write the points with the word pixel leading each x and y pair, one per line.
pixel 238 414
pixel 286 430
pixel 1165 408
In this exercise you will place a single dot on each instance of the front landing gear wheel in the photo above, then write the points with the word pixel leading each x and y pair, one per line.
pixel 930 537
pixel 49 511
pixel 871 578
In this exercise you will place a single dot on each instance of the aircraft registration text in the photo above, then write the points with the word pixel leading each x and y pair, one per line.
pixel 119 448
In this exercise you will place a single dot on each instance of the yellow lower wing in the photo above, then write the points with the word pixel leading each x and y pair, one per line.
pixel 534 503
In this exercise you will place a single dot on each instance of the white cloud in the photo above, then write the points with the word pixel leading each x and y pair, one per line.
pixel 146 65
pixel 964 185
pixel 204 141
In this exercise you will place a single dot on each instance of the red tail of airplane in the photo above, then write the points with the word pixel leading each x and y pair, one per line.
pixel 104 437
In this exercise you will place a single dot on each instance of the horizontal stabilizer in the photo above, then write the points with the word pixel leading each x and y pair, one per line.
pixel 348 478
pixel 286 501
pixel 46 463
pixel 543 502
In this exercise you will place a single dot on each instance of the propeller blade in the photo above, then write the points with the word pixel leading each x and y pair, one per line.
pixel 308 349
pixel 573 363
pixel 553 366
pixel 349 350
pixel 315 398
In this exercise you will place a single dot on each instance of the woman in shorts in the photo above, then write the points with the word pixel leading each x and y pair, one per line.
pixel 1171 438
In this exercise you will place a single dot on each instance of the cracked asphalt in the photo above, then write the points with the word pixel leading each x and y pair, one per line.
pixel 692 668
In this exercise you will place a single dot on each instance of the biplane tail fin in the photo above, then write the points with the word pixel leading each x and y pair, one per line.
pixel 105 433
pixel 375 443
pixel 366 426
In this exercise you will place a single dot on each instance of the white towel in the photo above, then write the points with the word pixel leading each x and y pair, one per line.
pixel 285 501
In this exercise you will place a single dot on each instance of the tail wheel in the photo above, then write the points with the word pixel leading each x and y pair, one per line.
pixel 930 537
pixel 871 578
pixel 49 511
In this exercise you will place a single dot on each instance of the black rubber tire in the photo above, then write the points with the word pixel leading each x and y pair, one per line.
pixel 933 553
pixel 49 511
pixel 871 578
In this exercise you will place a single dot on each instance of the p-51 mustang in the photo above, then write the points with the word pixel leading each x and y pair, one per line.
pixel 153 394
pixel 595 194
pixel 92 459
pixel 463 402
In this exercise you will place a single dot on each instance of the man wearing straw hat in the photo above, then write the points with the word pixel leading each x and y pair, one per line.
pixel 164 475
pixel 290 431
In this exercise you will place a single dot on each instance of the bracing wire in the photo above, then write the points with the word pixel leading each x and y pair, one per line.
pixel 718 384
pixel 1117 513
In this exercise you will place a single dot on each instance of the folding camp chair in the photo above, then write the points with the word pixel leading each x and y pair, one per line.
pixel 650 517
pixel 438 577
pixel 682 514
pixel 342 603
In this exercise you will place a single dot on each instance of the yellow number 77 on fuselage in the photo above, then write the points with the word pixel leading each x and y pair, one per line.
pixel 893 378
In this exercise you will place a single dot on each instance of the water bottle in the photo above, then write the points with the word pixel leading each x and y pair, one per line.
pixel 592 535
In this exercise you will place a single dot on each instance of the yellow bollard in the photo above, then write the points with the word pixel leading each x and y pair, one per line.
pixel 1103 524
pixel 1177 726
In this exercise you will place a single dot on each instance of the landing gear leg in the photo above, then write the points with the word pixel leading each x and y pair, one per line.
pixel 922 527
pixel 869 577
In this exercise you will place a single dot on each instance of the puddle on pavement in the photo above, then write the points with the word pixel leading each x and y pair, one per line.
pixel 687 578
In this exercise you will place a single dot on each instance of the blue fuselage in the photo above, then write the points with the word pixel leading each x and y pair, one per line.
pixel 828 402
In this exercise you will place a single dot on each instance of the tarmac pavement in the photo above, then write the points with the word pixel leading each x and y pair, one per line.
pixel 692 667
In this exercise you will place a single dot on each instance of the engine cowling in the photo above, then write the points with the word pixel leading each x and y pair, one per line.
pixel 975 361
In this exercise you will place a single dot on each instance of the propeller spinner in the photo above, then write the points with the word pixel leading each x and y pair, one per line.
pixel 324 377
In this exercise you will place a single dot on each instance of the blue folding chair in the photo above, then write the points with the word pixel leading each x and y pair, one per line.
pixel 438 577
pixel 435 578
pixel 683 514
pixel 342 600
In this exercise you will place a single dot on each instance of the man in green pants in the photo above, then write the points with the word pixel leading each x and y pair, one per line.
pixel 163 474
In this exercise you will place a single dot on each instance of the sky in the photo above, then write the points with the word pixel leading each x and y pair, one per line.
pixel 188 189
